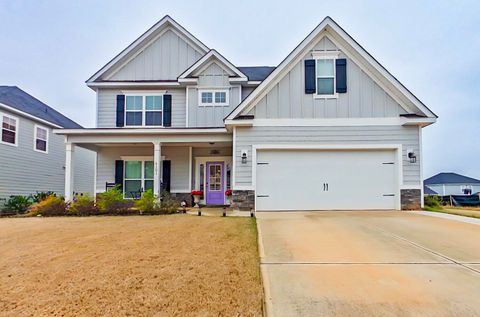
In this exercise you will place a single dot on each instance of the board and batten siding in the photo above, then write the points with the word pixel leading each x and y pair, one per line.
pixel 178 155
pixel 107 106
pixel 213 77
pixel 24 171
pixel 363 99
pixel 407 136
pixel 164 59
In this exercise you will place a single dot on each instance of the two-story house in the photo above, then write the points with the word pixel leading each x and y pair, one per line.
pixel 328 128
pixel 32 157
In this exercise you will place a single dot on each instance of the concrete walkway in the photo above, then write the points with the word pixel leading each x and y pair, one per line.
pixel 368 264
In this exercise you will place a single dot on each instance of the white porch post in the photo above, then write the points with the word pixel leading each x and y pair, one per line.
pixel 69 161
pixel 157 171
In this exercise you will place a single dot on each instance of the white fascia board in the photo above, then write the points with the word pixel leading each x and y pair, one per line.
pixel 213 54
pixel 160 24
pixel 110 84
pixel 188 80
pixel 331 122
pixel 148 131
pixel 27 115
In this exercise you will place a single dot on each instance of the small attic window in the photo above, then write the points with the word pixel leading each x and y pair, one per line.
pixel 213 97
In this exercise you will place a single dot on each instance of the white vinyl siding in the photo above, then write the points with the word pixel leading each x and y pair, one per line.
pixel 408 137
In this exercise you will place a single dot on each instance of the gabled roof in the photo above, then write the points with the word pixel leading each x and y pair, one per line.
pixel 206 60
pixel 256 73
pixel 17 99
pixel 450 178
pixel 428 191
pixel 328 27
pixel 144 40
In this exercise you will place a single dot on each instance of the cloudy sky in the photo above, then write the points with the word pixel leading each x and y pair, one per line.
pixel 49 49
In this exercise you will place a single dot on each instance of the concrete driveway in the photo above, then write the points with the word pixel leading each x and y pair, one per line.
pixel 369 264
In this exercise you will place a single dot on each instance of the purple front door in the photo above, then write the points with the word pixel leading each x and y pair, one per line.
pixel 214 181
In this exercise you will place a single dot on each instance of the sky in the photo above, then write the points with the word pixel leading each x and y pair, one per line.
pixel 50 48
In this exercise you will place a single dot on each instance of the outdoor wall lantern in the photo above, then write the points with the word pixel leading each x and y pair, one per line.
pixel 244 156
pixel 412 156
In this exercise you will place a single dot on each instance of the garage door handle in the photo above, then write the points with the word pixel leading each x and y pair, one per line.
pixel 262 196
pixel 388 195
pixel 325 187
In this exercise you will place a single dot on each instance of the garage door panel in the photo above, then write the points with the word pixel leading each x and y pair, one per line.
pixel 312 180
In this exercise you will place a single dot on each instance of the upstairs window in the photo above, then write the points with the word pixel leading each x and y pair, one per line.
pixel 325 77
pixel 9 129
pixel 41 139
pixel 213 98
pixel 143 110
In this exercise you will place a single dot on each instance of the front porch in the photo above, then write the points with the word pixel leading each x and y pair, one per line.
pixel 163 162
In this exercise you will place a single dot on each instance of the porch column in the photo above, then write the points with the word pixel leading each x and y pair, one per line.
pixel 157 171
pixel 69 170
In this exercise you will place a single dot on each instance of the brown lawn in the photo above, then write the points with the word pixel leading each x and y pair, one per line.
pixel 177 265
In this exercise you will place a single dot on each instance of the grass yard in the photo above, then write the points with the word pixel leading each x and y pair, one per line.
pixel 176 265
pixel 459 211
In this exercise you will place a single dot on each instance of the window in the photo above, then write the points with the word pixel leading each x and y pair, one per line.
pixel 326 77
pixel 213 98
pixel 143 110
pixel 215 177
pixel 138 177
pixel 41 139
pixel 9 129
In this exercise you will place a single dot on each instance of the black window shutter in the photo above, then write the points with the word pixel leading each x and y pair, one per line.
pixel 341 73
pixel 120 110
pixel 167 110
pixel 166 167
pixel 119 173
pixel 310 76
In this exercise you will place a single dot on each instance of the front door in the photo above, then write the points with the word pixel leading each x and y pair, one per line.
pixel 214 182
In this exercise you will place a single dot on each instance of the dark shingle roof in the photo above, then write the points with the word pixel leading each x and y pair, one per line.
pixel 16 98
pixel 450 178
pixel 428 191
pixel 256 73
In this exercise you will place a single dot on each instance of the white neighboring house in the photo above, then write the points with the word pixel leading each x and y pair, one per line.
pixel 328 128
pixel 446 184
pixel 33 157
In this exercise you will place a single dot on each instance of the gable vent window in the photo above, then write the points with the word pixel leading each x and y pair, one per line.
pixel 213 97
pixel 41 139
pixel 9 129
pixel 143 110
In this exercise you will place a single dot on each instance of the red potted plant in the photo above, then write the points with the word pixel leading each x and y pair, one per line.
pixel 197 195
pixel 228 192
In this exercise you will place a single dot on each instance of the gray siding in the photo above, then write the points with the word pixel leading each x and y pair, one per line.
pixel 179 157
pixel 24 171
pixel 407 136
pixel 364 98
pixel 107 103
pixel 211 116
pixel 165 59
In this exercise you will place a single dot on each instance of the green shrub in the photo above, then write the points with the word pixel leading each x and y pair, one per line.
pixel 433 202
pixel 39 196
pixel 83 206
pixel 147 203
pixel 18 204
pixel 50 206
pixel 112 202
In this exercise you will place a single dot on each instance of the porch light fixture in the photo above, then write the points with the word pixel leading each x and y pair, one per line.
pixel 244 156
pixel 412 156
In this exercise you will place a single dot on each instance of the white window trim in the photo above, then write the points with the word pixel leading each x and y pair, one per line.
pixel 322 55
pixel 143 111
pixel 17 124
pixel 35 138
pixel 213 103
pixel 142 179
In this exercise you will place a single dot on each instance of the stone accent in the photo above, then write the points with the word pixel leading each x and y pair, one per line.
pixel 243 199
pixel 411 199
pixel 182 196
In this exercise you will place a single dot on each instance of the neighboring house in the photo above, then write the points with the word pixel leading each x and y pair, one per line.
pixel 328 128
pixel 445 184
pixel 32 157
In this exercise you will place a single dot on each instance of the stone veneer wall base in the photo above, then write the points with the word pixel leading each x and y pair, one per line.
pixel 411 199
pixel 243 199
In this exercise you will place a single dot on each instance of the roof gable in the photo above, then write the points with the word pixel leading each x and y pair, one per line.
pixel 450 178
pixel 354 51
pixel 166 30
pixel 208 59
pixel 17 99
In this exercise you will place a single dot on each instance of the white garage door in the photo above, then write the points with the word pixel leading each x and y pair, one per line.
pixel 326 180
